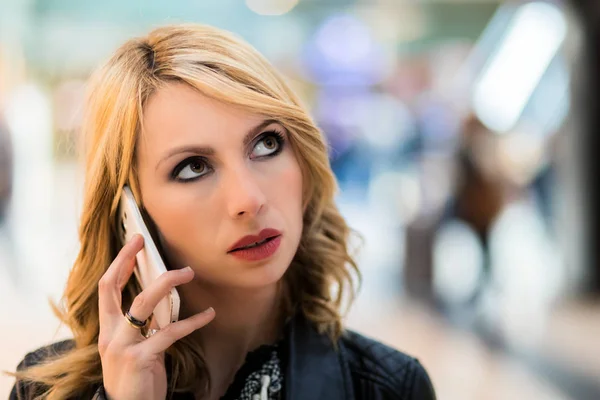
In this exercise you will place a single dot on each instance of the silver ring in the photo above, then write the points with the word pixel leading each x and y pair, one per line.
pixel 150 332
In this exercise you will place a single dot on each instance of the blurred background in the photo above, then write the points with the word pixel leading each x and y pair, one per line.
pixel 462 135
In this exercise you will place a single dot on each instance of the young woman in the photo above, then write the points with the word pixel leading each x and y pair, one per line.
pixel 234 179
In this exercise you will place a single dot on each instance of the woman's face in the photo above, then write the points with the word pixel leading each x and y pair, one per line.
pixel 211 174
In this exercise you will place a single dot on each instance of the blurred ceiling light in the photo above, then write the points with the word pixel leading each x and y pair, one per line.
pixel 344 40
pixel 342 51
pixel 550 102
pixel 463 81
pixel 513 72
pixel 384 121
pixel 486 42
pixel 271 7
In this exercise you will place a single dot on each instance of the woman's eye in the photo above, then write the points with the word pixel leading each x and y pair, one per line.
pixel 266 146
pixel 191 170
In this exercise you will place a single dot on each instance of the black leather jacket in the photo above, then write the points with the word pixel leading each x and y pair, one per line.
pixel 359 369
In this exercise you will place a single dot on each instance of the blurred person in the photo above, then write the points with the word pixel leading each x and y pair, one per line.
pixel 480 193
pixel 215 147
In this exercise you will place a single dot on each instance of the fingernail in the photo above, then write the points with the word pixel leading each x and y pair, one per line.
pixel 188 268
pixel 208 310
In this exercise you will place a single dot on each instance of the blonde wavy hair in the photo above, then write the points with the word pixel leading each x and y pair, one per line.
pixel 219 65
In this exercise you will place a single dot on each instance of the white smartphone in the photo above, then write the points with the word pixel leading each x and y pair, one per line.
pixel 150 264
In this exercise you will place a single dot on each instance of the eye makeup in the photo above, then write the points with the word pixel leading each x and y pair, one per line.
pixel 196 167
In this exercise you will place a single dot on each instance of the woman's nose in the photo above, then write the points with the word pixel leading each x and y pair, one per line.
pixel 244 195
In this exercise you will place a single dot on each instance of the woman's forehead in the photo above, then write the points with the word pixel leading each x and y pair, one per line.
pixel 179 116
pixel 180 111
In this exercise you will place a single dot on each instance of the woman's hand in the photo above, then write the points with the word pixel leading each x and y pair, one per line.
pixel 133 367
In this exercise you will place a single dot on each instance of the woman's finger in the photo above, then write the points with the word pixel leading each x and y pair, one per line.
pixel 144 303
pixel 164 338
pixel 109 286
pixel 125 272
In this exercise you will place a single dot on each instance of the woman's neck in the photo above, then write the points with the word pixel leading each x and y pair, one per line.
pixel 244 320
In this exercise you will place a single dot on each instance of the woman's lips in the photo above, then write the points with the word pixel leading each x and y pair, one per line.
pixel 250 240
pixel 259 252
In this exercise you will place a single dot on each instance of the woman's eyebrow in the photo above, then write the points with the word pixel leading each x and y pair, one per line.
pixel 209 151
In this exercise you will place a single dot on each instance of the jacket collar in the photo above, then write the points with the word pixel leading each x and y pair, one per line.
pixel 315 370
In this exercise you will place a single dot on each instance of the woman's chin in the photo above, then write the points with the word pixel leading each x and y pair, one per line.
pixel 262 275
pixel 239 275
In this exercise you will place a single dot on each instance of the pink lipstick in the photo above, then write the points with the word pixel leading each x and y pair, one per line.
pixel 257 247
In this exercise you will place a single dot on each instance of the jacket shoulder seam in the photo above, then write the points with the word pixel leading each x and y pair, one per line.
pixel 379 380
pixel 385 371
